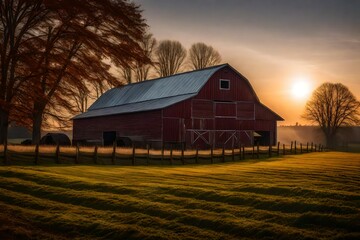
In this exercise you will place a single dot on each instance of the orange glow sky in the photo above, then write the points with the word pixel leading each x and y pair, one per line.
pixel 274 43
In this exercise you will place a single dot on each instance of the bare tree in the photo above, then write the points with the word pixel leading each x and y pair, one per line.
pixel 148 44
pixel 202 56
pixel 332 106
pixel 127 74
pixel 81 100
pixel 170 56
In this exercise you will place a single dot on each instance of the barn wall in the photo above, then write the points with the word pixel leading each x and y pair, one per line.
pixel 179 110
pixel 212 118
pixel 224 111
pixel 263 113
pixel 240 89
pixel 145 126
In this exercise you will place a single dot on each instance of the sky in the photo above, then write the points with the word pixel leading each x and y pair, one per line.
pixel 276 44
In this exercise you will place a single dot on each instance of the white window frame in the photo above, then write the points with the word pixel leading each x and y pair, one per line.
pixel 225 80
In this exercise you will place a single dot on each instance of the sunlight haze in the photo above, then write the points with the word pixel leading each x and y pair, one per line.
pixel 270 42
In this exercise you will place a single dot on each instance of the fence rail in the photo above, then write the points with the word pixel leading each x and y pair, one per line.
pixel 15 154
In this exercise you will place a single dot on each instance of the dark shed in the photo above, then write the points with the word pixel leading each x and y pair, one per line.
pixel 55 139
pixel 211 107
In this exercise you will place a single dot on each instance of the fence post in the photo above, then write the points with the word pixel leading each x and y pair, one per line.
pixel 284 150
pixel 233 154
pixel 258 150
pixel 291 147
pixel 171 154
pixel 5 152
pixel 197 155
pixel 212 154
pixel 36 154
pixel 223 153
pixel 253 152
pixel 113 155
pixel 312 145
pixel 295 147
pixel 77 153
pixel 243 148
pixel 162 154
pixel 240 152
pixel 278 149
pixel 270 150
pixel 301 150
pixel 182 154
pixel 148 153
pixel 133 155
pixel 96 154
pixel 307 147
pixel 57 154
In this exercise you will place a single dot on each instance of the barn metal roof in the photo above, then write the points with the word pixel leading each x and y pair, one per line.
pixel 135 107
pixel 150 94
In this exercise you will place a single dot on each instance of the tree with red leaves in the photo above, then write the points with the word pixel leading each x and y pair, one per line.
pixel 73 43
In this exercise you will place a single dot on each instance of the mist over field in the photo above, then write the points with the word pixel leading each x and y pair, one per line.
pixel 304 134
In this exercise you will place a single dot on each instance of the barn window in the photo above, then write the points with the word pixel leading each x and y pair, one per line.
pixel 224 84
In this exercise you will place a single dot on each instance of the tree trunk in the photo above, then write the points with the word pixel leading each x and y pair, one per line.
pixel 37 123
pixel 4 124
pixel 330 141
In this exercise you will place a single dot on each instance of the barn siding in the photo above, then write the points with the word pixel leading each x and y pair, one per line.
pixel 240 89
pixel 262 113
pixel 264 125
pixel 202 108
pixel 225 109
pixel 225 123
pixel 179 110
pixel 245 110
pixel 136 124
pixel 173 129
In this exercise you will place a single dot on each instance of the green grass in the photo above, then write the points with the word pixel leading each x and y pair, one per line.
pixel 310 196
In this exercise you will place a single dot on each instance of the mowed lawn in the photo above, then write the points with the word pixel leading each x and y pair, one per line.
pixel 309 196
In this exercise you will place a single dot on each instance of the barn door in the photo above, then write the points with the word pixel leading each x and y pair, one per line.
pixel 109 138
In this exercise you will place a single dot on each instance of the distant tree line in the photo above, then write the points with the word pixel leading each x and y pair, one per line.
pixel 168 58
pixel 56 54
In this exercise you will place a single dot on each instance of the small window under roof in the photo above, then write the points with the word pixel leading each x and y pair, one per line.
pixel 224 84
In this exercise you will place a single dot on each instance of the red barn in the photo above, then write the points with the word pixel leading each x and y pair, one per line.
pixel 211 107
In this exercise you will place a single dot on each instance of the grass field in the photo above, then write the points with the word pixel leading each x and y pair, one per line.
pixel 310 196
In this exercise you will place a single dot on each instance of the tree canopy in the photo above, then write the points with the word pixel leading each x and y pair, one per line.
pixel 170 56
pixel 50 49
pixel 202 56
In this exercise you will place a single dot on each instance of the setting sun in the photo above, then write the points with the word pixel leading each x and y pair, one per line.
pixel 300 88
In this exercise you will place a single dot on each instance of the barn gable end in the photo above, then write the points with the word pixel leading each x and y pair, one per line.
pixel 212 107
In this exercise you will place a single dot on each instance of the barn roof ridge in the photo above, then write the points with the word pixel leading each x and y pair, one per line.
pixel 177 74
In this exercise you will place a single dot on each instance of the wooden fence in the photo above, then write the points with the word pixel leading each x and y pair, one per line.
pixel 33 155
